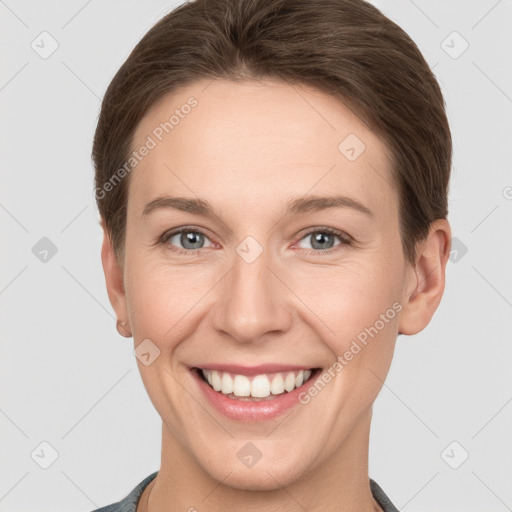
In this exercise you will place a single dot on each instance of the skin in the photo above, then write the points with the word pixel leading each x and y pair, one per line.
pixel 247 148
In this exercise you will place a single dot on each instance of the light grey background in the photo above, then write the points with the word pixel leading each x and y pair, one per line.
pixel 68 378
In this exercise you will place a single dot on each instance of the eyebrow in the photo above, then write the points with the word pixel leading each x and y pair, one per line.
pixel 294 207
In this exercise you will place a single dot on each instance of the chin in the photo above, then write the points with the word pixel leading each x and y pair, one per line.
pixel 267 477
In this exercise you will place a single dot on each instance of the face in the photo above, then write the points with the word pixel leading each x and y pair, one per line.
pixel 262 240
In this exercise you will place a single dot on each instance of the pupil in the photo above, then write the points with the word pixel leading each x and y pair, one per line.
pixel 319 238
pixel 193 238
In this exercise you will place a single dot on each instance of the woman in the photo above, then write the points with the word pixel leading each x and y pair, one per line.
pixel 272 181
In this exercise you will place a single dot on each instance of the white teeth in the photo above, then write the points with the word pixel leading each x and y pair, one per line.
pixel 227 384
pixel 289 382
pixel 277 386
pixel 216 382
pixel 241 385
pixel 259 387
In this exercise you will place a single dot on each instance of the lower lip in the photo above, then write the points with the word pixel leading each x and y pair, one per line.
pixel 252 411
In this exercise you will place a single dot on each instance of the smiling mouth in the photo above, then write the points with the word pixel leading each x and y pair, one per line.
pixel 265 386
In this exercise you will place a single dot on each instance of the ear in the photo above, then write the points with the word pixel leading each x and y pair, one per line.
pixel 114 279
pixel 426 285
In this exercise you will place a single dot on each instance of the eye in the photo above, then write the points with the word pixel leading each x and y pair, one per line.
pixel 322 240
pixel 185 240
pixel 190 241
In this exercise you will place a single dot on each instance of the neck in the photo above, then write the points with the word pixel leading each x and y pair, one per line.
pixel 337 483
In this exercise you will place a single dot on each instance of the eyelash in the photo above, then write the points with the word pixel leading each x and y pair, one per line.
pixel 345 239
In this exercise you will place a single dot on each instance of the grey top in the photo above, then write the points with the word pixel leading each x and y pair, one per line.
pixel 129 504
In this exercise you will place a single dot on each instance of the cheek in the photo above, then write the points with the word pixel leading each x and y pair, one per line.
pixel 164 304
pixel 166 301
pixel 162 299
pixel 349 298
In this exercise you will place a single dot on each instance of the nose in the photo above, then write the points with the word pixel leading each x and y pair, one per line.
pixel 252 301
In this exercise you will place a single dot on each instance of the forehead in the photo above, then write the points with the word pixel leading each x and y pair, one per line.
pixel 256 142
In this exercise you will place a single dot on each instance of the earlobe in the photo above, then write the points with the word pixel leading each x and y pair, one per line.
pixel 122 329
pixel 428 277
pixel 114 280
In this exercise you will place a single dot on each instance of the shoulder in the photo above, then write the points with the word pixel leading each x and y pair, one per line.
pixel 129 503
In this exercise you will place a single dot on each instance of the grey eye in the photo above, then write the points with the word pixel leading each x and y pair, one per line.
pixel 188 239
pixel 321 240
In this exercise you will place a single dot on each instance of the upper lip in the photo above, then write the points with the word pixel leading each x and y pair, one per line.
pixel 254 370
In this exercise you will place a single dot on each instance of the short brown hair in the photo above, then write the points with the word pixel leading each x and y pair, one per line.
pixel 346 48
